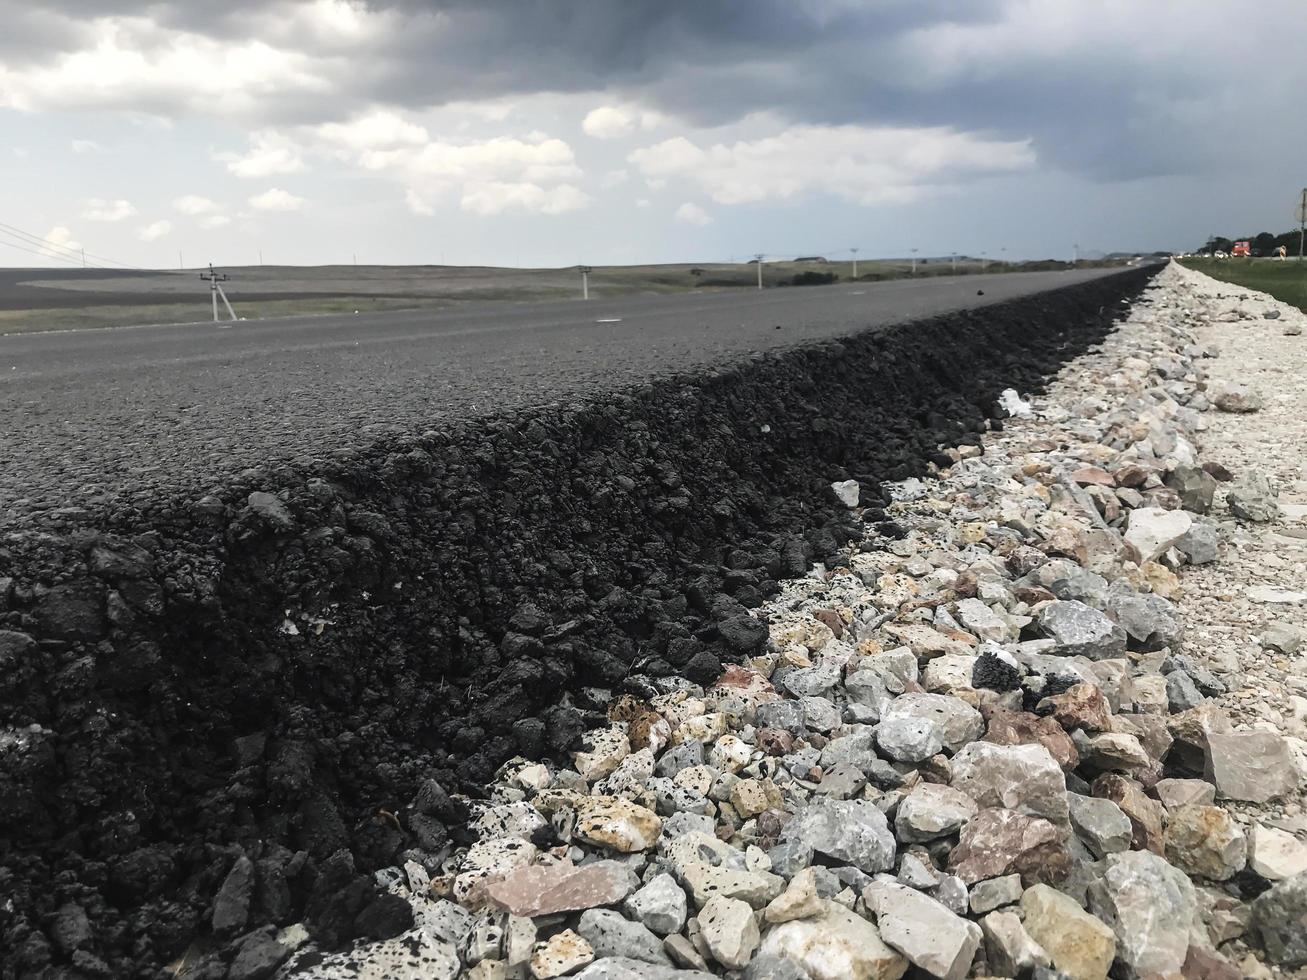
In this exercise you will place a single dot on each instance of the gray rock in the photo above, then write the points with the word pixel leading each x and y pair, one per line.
pixel 1152 531
pixel 1284 637
pixel 1008 947
pixel 1231 397
pixel 857 750
pixel 993 893
pixel 1200 544
pixel 1195 486
pixel 610 934
pixel 908 739
pixel 958 722
pixel 837 944
pixel 231 906
pixel 1252 766
pixel 1024 778
pixel 1149 905
pixel 810 681
pixel 916 872
pixel 1274 854
pixel 660 905
pixel 766 967
pixel 1079 630
pixel 1181 692
pixel 1148 619
pixel 853 831
pixel 819 714
pixel 1252 498
pixel 1100 823
pixel 951 892
pixel 1278 916
pixel 785 713
pixel 930 811
pixel 1175 793
pixel 690 752
pixel 923 930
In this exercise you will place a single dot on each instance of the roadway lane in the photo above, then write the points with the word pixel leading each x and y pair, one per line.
pixel 89 415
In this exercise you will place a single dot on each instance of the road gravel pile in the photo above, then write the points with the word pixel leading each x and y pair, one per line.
pixel 226 712
pixel 995 737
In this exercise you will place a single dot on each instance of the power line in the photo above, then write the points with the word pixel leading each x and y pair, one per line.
pixel 54 247
pixel 44 255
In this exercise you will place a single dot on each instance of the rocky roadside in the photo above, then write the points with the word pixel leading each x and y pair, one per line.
pixel 1009 735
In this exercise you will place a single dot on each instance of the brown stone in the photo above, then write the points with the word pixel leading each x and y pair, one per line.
pixel 1032 595
pixel 1023 728
pixel 1217 471
pixel 1149 729
pixel 1163 497
pixel 1093 476
pixel 645 727
pixel 1146 815
pixel 999 842
pixel 1207 964
pixel 832 620
pixel 774 741
pixel 544 889
pixel 1081 706
pixel 1132 475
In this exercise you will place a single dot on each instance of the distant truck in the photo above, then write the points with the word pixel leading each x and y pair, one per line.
pixel 1241 248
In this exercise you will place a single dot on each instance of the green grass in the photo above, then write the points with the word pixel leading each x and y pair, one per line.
pixel 1286 281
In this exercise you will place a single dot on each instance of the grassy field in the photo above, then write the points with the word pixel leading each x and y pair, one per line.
pixel 39 300
pixel 1286 281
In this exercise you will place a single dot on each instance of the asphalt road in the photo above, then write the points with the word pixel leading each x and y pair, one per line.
pixel 87 416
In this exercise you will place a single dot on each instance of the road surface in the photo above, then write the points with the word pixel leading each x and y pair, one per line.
pixel 89 415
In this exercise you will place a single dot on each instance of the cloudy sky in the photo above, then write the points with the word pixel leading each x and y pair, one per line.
pixel 551 132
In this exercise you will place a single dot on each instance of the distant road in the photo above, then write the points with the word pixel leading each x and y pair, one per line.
pixel 88 415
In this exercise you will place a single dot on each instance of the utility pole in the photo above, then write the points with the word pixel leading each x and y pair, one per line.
pixel 855 262
pixel 260 256
pixel 179 260
pixel 1302 222
pixel 914 261
pixel 83 258
pixel 1075 254
pixel 955 263
pixel 758 259
pixel 356 258
pixel 213 278
pixel 585 280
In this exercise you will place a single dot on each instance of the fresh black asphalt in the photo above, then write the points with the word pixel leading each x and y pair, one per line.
pixel 87 416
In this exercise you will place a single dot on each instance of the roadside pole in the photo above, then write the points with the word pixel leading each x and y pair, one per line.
pixel 855 262
pixel 1302 221
pixel 758 258
pixel 585 281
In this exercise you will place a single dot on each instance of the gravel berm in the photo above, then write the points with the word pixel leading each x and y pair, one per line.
pixel 222 711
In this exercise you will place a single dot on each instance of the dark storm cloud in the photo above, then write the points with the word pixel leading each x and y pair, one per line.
pixel 1112 109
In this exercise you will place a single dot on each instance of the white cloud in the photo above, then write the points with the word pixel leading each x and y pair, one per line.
pixel 59 242
pixel 643 202
pixel 867 165
pixel 97 209
pixel 379 129
pixel 269 153
pixel 615 178
pixel 86 146
pixel 195 204
pixel 691 214
pixel 276 199
pixel 214 221
pixel 136 64
pixel 613 121
pixel 419 203
pixel 608 122
pixel 154 230
pixel 496 197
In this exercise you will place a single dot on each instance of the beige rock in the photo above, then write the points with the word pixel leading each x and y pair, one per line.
pixel 559 955
pixel 730 931
pixel 1205 840
pixel 605 750
pixel 751 797
pixel 1252 766
pixel 1274 854
pixel 799 900
pixel 836 945
pixel 617 824
pixel 1078 944
pixel 1025 778
pixel 1008 947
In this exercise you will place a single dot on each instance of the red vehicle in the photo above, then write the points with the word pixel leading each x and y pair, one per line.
pixel 1241 248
